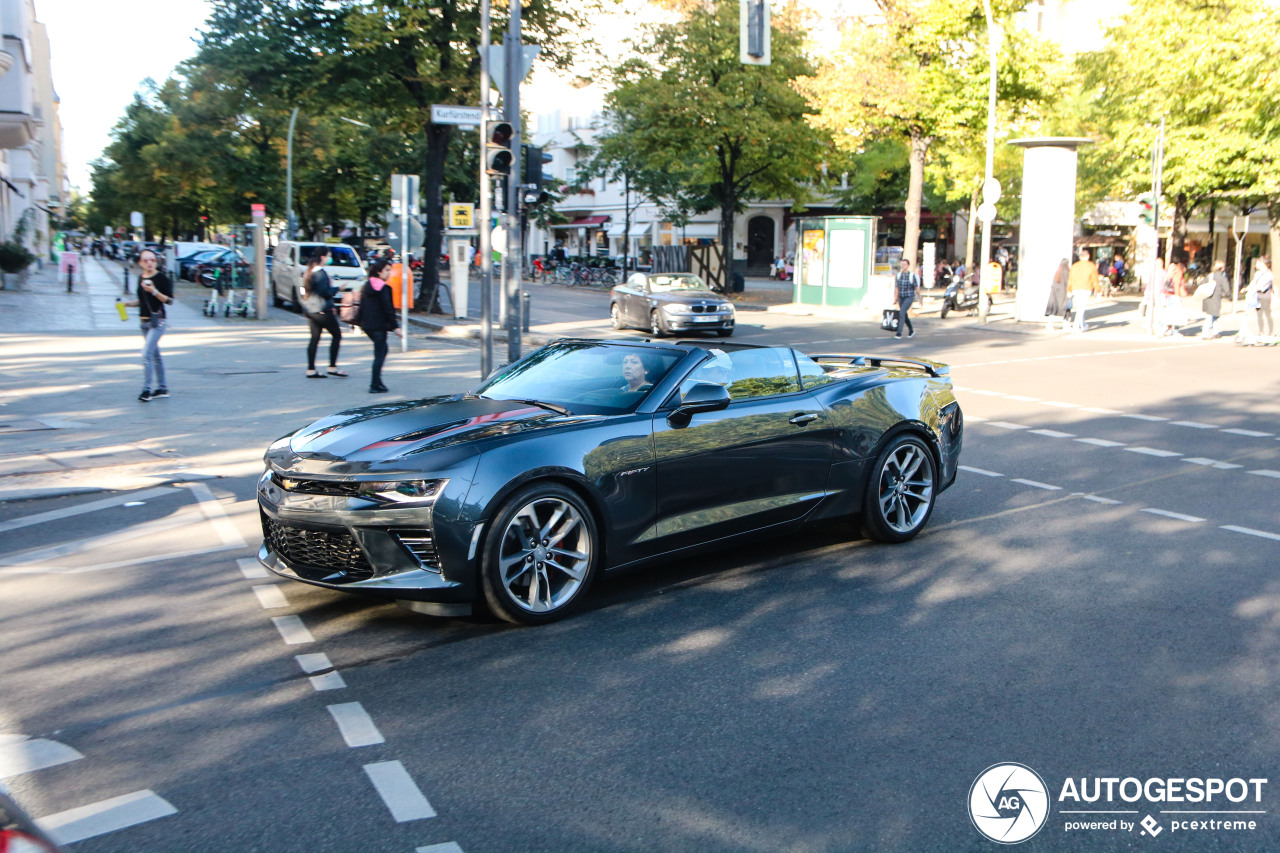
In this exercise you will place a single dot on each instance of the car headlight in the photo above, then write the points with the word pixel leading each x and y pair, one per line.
pixel 403 492
pixel 677 309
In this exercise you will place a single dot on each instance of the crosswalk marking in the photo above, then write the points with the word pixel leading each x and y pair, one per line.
pixel 107 816
pixel 19 754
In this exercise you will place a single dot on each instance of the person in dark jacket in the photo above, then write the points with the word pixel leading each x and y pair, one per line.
pixel 316 281
pixel 155 291
pixel 377 317
pixel 1212 304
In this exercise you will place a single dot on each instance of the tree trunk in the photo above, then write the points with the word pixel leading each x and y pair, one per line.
pixel 1178 236
pixel 973 229
pixel 915 193
pixel 433 202
pixel 1273 224
pixel 727 205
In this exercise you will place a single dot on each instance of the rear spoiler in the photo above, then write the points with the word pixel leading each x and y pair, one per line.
pixel 932 368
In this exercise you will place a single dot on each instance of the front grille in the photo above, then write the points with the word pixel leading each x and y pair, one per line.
pixel 317 553
pixel 703 309
pixel 420 544
pixel 317 487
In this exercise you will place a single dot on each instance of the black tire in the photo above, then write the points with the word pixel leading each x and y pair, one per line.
pixel 724 333
pixel 946 308
pixel 275 299
pixel 535 566
pixel 657 325
pixel 615 316
pixel 901 490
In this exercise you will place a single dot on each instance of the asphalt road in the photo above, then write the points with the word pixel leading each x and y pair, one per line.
pixel 1095 597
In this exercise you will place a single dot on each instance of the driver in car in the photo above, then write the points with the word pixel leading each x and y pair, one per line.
pixel 635 374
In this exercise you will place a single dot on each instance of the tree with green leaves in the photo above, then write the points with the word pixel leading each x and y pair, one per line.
pixel 694 126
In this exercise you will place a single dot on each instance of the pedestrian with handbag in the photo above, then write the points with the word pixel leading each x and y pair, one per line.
pixel 377 317
pixel 154 293
pixel 906 284
pixel 1259 296
pixel 1058 305
pixel 1211 301
pixel 316 294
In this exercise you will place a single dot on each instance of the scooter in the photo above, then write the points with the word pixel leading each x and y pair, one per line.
pixel 961 295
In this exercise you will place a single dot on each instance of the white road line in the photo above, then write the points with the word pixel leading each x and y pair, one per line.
pixel 1053 433
pixel 1251 433
pixel 327 681
pixel 270 596
pixel 41 569
pixel 1264 472
pixel 1100 411
pixel 974 418
pixel 292 631
pixel 213 511
pixel 1211 463
pixel 1249 530
pixel 356 725
pixel 21 755
pixel 1100 442
pixel 1179 516
pixel 1037 485
pixel 1100 500
pixel 398 790
pixel 92 506
pixel 107 816
pixel 251 568
pixel 1152 451
pixel 1152 418
pixel 447 847
pixel 313 662
pixel 984 472
pixel 987 393
pixel 1005 425
pixel 1192 424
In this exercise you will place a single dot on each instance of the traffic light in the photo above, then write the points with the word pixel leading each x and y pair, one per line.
pixel 1147 209
pixel 534 159
pixel 498 154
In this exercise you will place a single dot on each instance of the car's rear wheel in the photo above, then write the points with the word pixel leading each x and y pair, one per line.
pixel 615 316
pixel 657 325
pixel 540 555
pixel 901 491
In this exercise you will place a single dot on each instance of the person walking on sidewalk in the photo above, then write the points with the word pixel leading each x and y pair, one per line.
pixel 154 292
pixel 377 317
pixel 324 319
pixel 1082 282
pixel 1212 304
pixel 1259 296
pixel 907 283
pixel 1056 308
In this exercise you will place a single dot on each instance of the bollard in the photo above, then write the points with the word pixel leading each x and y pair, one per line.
pixel 525 325
pixel 126 281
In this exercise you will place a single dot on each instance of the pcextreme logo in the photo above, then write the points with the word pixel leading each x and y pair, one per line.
pixel 1009 803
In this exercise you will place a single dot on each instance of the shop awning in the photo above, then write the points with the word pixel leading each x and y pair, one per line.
pixel 585 222
pixel 644 229
pixel 617 229
pixel 709 230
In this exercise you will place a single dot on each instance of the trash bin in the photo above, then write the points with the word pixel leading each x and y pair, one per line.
pixel 738 284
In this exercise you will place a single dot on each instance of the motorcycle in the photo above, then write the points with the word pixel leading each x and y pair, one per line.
pixel 961 295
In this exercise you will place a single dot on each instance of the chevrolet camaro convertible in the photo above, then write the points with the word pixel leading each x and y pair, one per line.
pixel 587 456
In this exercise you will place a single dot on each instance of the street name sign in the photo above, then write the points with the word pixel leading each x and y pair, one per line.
pixel 467 116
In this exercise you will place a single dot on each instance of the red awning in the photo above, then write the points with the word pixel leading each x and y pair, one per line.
pixel 584 221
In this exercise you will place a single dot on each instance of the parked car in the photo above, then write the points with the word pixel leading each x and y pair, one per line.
pixel 587 456
pixel 346 270
pixel 187 265
pixel 669 302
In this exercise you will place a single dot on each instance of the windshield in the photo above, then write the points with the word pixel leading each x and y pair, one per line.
pixel 343 255
pixel 585 377
pixel 675 281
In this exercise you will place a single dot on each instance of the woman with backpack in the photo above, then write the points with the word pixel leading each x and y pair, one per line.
pixel 377 317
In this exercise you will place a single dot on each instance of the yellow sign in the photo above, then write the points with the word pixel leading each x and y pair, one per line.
pixel 992 274
pixel 462 215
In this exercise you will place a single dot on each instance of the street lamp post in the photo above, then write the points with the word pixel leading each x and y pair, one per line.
pixel 984 299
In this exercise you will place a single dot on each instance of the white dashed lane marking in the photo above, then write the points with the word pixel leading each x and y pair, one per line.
pixel 318 662
pixel 19 754
pixel 251 568
pixel 1192 424
pixel 1176 515
pixel 1152 451
pixel 1151 418
pixel 984 472
pixel 270 596
pixel 1211 463
pixel 1263 472
pixel 107 816
pixel 1038 485
pixel 1006 425
pixel 356 725
pixel 1250 531
pixel 447 847
pixel 292 631
pixel 1053 433
pixel 398 790
pixel 1249 433
pixel 1100 442
pixel 1101 500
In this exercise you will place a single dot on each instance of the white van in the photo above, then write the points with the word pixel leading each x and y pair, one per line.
pixel 346 271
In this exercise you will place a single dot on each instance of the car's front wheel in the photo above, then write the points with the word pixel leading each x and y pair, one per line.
pixel 657 325
pixel 540 555
pixel 901 491
pixel 615 316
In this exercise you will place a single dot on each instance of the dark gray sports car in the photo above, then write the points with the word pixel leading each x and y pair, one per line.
pixel 587 456
pixel 670 302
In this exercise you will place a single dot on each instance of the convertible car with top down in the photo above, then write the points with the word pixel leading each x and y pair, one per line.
pixel 588 456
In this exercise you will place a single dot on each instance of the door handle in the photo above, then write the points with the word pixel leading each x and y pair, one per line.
pixel 803 418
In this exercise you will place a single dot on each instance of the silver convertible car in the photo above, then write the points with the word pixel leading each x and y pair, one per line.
pixel 587 456
pixel 665 303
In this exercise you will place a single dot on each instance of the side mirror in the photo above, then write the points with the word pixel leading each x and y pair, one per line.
pixel 702 397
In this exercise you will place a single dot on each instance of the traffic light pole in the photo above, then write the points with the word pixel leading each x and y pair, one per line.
pixel 486 205
pixel 513 56
pixel 1157 181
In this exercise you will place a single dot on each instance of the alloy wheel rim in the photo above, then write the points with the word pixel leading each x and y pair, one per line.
pixel 655 326
pixel 615 317
pixel 544 555
pixel 906 488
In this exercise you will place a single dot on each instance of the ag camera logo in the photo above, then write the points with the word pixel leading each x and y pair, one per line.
pixel 1008 803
